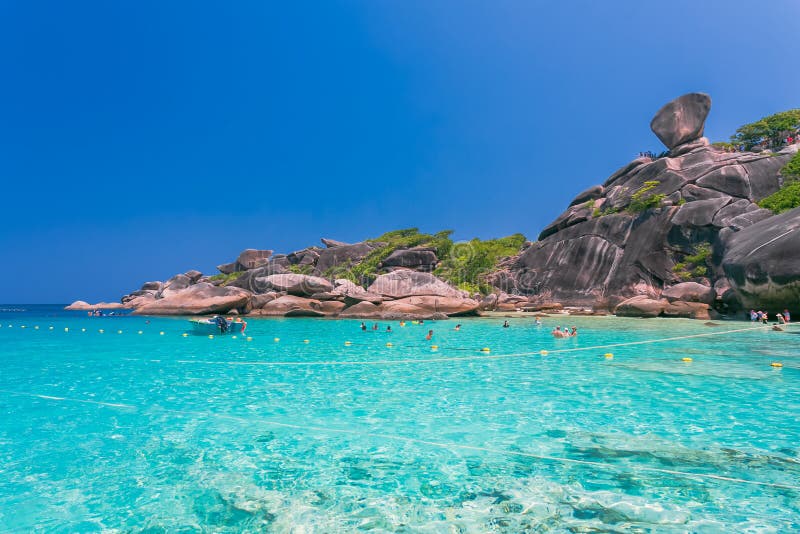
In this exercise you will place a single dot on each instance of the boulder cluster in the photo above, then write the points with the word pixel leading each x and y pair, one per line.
pixel 261 283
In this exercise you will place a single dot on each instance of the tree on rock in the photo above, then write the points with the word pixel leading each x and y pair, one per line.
pixel 771 130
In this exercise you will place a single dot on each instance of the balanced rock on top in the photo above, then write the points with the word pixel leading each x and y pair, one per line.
pixel 682 120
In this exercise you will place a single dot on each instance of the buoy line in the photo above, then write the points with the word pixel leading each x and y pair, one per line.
pixel 407 439
pixel 465 358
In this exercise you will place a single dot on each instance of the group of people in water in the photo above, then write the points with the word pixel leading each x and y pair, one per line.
pixel 557 332
pixel 763 317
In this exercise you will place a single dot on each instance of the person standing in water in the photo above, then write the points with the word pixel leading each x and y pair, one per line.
pixel 505 324
pixel 430 335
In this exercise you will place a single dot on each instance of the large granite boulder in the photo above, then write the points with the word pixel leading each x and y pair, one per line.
pixel 689 292
pixel 353 293
pixel 201 298
pixel 193 275
pixel 177 283
pixel 251 258
pixel 400 284
pixel 297 284
pixel 343 256
pixel 306 257
pixel 682 120
pixel 152 286
pixel 449 306
pixel 762 262
pixel 291 306
pixel 253 280
pixel 640 306
pixel 420 259
pixel 332 243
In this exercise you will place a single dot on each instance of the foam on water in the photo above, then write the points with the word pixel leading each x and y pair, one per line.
pixel 164 433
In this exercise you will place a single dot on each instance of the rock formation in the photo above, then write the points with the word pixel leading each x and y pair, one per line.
pixel 679 235
pixel 657 223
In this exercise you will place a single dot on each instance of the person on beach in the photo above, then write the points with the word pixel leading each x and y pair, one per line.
pixel 764 318
pixel 430 335
pixel 753 316
pixel 786 316
pixel 781 320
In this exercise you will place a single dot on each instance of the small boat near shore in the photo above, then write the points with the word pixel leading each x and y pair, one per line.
pixel 217 325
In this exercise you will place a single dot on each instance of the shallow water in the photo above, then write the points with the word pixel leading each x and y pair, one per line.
pixel 146 432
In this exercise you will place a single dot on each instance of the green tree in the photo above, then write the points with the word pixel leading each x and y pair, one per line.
pixel 771 129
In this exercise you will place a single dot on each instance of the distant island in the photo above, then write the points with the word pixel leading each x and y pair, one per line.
pixel 700 230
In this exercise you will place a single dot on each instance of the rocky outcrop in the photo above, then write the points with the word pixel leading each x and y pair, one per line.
pixel 689 292
pixel 251 258
pixel 419 259
pixel 762 262
pixel 296 284
pixel 400 284
pixel 641 231
pixel 342 256
pixel 642 306
pixel 201 298
pixel 682 120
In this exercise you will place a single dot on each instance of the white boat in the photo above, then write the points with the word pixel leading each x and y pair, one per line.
pixel 216 325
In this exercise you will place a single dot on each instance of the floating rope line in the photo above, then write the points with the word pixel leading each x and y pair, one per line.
pixel 466 358
pixel 442 445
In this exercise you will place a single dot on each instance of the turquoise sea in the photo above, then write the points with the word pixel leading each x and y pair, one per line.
pixel 123 431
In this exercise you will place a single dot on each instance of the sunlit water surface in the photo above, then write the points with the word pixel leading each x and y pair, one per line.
pixel 151 432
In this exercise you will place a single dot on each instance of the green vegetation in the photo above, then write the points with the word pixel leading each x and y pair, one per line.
pixel 791 171
pixel 606 211
pixel 641 200
pixel 723 145
pixel 786 198
pixel 467 263
pixel 226 278
pixel 770 130
pixel 463 264
pixel 301 269
pixel 694 265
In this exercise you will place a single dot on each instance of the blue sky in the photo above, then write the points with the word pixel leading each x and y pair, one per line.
pixel 142 139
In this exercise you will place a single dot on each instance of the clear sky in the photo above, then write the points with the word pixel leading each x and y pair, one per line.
pixel 141 139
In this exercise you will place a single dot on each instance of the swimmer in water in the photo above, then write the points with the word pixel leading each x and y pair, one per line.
pixel 430 335
pixel 505 324
pixel 458 327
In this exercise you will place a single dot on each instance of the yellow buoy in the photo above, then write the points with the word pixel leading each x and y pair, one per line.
pixel 249 339
pixel 99 331
pixel 388 344
pixel 306 341
pixel 23 326
pixel 543 352
pixel 140 332
pixel 434 347
pixel 776 364
pixel 82 329
pixel 348 343
pixel 36 327
pixel 184 334
pixel 65 329
pixel 119 331
pixel 50 327
pixel 210 336
pixel 686 359
pixel 161 333
pixel 233 337
pixel 608 355
pixel 486 349
pixel 276 339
